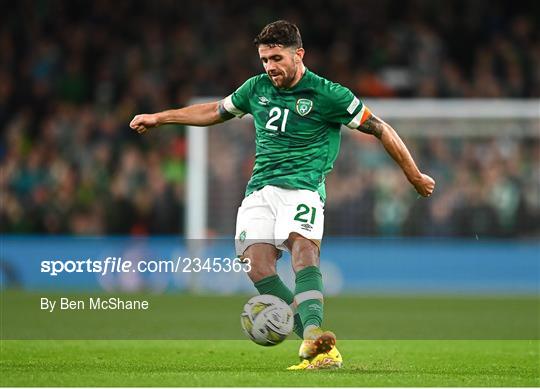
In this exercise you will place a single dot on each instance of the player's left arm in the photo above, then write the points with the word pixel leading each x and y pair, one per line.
pixel 393 144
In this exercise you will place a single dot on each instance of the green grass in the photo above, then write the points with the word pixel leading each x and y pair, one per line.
pixel 183 316
pixel 241 363
pixel 487 343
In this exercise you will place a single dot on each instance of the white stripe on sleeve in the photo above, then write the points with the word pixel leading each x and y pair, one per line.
pixel 355 122
pixel 230 107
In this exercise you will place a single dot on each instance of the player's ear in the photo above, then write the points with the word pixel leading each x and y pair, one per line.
pixel 299 55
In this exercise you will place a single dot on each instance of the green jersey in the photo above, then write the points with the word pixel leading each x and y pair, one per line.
pixel 297 129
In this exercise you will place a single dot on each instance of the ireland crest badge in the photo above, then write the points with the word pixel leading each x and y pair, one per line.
pixel 303 106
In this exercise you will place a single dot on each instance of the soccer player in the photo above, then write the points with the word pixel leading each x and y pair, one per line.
pixel 297 116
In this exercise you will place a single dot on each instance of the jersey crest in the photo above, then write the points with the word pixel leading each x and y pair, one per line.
pixel 303 106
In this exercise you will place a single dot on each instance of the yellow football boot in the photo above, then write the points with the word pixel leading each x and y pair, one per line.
pixel 301 366
pixel 329 360
pixel 316 341
pixel 318 351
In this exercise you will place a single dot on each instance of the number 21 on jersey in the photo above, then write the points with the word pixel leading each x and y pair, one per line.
pixel 274 115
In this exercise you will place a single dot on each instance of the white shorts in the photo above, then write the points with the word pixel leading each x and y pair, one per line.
pixel 270 214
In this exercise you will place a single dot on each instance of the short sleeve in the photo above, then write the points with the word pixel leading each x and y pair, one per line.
pixel 238 102
pixel 344 107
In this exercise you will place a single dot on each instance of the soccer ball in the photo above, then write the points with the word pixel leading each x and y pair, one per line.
pixel 267 320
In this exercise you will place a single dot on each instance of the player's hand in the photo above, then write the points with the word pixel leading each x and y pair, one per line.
pixel 141 123
pixel 425 185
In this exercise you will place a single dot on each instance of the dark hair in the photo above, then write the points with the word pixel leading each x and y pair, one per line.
pixel 281 33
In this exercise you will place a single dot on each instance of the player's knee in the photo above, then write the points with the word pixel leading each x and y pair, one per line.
pixel 304 253
pixel 262 261
pixel 257 274
pixel 302 262
pixel 260 270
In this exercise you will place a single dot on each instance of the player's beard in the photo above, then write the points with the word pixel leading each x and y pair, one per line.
pixel 286 81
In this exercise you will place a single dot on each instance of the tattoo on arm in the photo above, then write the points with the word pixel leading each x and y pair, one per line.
pixel 373 126
pixel 223 113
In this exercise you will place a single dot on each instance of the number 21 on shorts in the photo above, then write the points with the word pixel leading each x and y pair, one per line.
pixel 304 212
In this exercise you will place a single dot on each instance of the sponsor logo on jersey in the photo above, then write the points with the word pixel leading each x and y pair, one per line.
pixel 263 100
pixel 303 106
pixel 307 227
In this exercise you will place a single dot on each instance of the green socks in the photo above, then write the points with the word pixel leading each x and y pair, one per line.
pixel 274 286
pixel 309 297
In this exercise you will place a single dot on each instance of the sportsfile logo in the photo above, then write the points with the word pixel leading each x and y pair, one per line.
pixel 118 265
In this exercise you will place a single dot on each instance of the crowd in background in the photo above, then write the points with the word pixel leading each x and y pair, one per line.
pixel 486 186
pixel 73 74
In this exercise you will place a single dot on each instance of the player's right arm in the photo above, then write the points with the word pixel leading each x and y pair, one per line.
pixel 202 115
pixel 236 104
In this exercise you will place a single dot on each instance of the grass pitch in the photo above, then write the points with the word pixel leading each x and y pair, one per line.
pixel 177 350
pixel 352 317
pixel 242 363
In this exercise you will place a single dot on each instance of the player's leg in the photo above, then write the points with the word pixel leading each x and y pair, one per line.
pixel 300 225
pixel 262 257
pixel 255 240
pixel 309 298
pixel 317 350
pixel 298 229
pixel 308 291
pixel 263 274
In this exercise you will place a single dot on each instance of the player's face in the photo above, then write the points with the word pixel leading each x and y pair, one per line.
pixel 282 64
